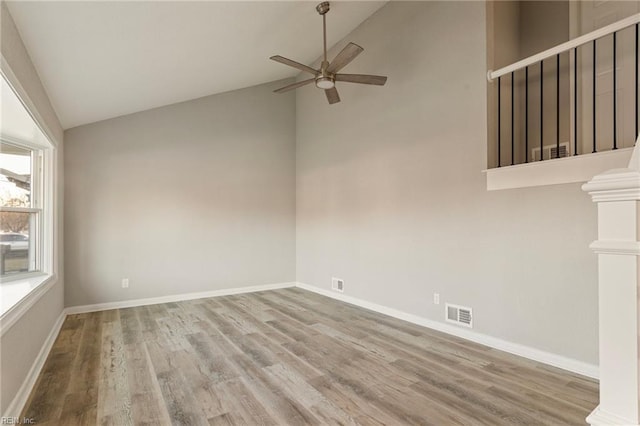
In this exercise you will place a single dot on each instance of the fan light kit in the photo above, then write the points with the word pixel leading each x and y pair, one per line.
pixel 325 83
pixel 325 78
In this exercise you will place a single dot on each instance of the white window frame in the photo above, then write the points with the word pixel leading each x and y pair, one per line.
pixel 35 284
pixel 38 255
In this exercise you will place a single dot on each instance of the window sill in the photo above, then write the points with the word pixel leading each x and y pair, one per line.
pixel 578 168
pixel 17 296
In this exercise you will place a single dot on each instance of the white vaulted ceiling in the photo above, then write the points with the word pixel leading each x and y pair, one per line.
pixel 99 60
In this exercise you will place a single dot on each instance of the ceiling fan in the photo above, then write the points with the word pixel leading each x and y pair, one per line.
pixel 326 77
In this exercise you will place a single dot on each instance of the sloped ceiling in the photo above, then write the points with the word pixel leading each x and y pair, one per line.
pixel 100 60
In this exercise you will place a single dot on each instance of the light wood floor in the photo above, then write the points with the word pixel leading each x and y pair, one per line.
pixel 288 357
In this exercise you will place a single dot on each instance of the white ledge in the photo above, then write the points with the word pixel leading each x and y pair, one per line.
pixel 574 169
pixel 18 296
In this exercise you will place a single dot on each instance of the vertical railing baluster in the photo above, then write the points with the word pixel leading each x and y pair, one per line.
pixel 513 74
pixel 541 110
pixel 558 105
pixel 575 101
pixel 580 112
pixel 594 96
pixel 526 114
pixel 499 127
pixel 615 93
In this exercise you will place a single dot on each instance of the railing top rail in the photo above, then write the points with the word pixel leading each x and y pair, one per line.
pixel 561 48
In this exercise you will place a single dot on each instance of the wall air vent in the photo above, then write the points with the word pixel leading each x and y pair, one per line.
pixel 550 151
pixel 337 284
pixel 459 315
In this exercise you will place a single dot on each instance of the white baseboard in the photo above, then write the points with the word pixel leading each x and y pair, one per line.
pixel 173 298
pixel 555 360
pixel 17 404
pixel 598 417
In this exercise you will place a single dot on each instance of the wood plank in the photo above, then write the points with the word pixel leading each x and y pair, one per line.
pixel 288 357
pixel 283 409
pixel 175 388
pixel 114 404
pixel 147 404
pixel 241 404
pixel 80 403
pixel 295 386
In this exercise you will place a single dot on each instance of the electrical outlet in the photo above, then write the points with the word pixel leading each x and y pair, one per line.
pixel 125 283
pixel 436 298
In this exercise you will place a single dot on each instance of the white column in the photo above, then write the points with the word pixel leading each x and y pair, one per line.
pixel 617 193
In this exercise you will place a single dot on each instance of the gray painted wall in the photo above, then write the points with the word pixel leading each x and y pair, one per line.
pixel 20 345
pixel 192 197
pixel 518 29
pixel 391 197
pixel 542 25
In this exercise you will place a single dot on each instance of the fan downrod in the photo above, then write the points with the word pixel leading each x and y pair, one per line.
pixel 323 7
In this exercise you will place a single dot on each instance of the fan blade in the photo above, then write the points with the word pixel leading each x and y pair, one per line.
pixel 294 85
pixel 345 56
pixel 332 95
pixel 378 80
pixel 294 64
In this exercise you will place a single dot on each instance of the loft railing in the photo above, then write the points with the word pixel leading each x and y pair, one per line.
pixel 572 49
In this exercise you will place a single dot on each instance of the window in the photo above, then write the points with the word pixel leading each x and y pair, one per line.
pixel 26 200
pixel 21 209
